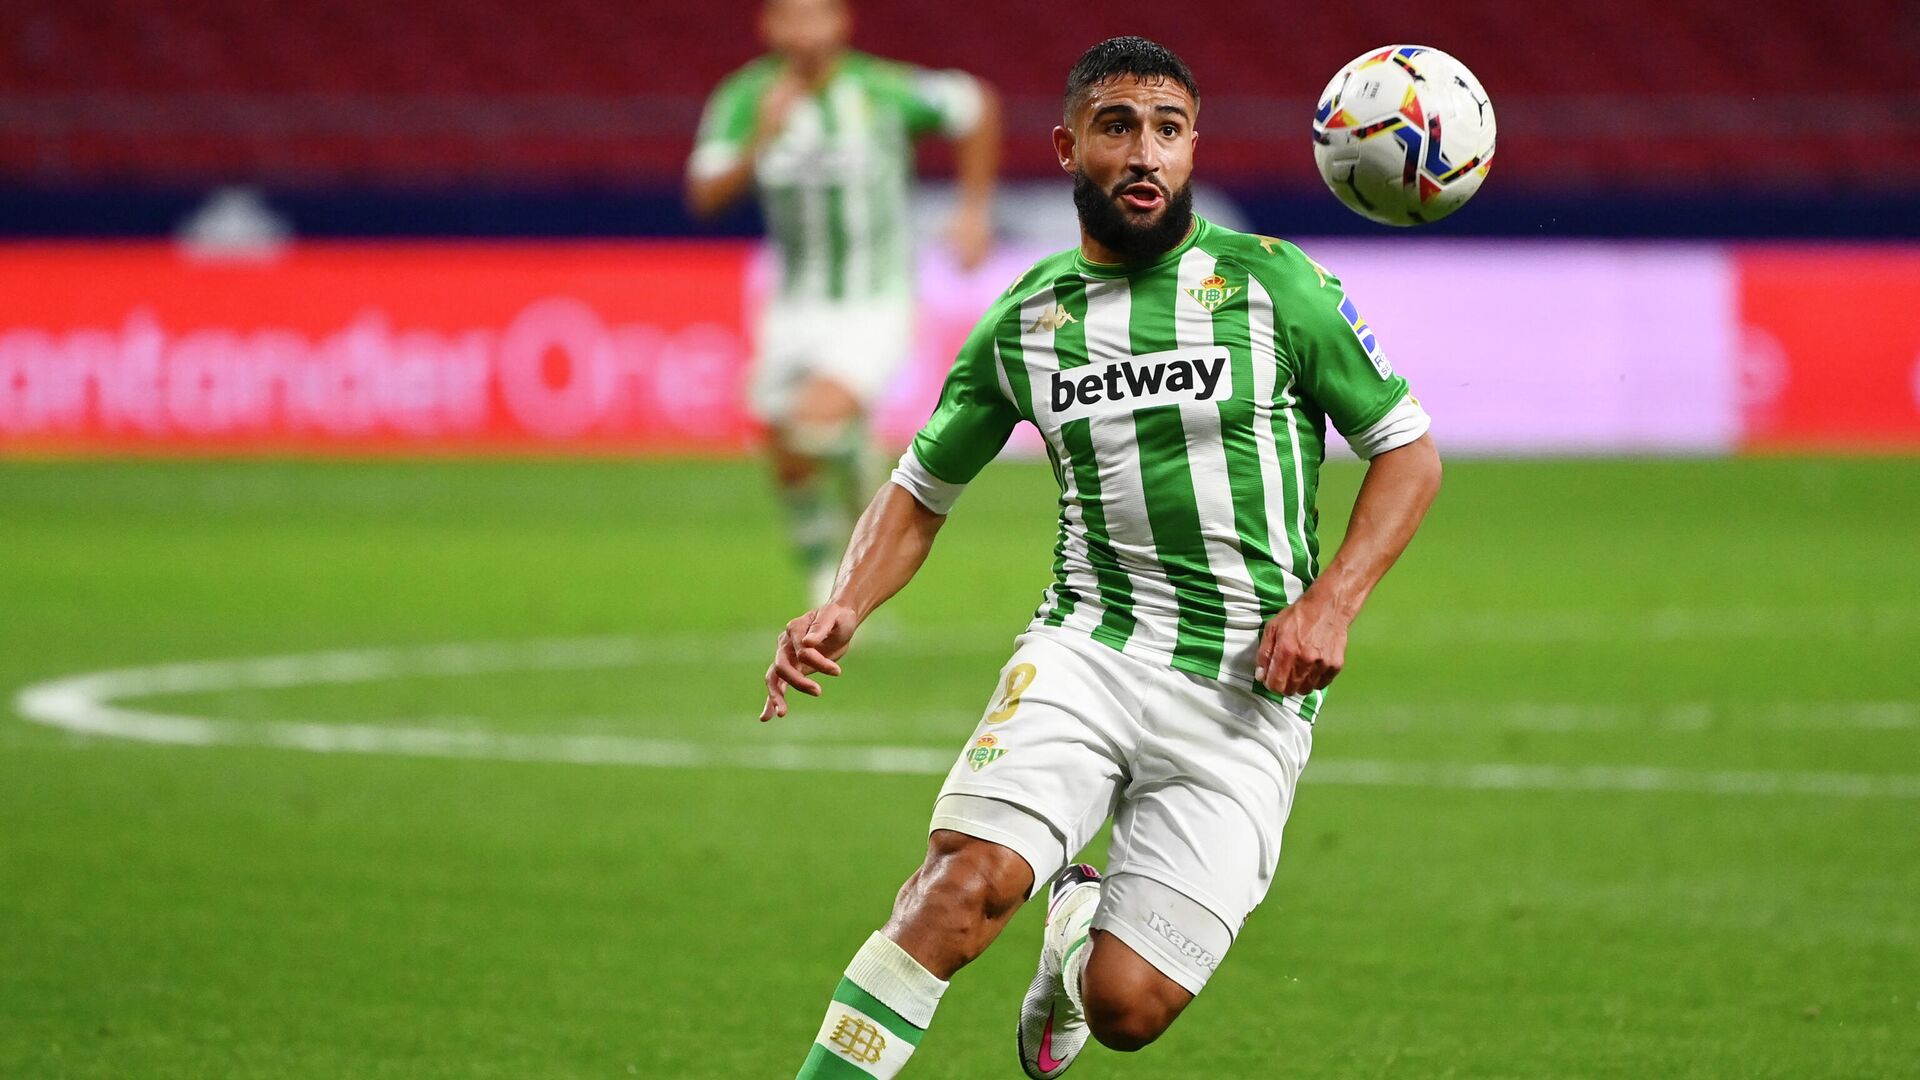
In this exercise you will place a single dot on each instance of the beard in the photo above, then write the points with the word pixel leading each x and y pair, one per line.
pixel 1114 228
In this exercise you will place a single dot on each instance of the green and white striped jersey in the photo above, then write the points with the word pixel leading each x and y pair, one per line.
pixel 1184 404
pixel 834 183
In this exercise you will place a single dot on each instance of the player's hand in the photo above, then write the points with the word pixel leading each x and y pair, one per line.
pixel 777 104
pixel 1302 648
pixel 970 234
pixel 811 644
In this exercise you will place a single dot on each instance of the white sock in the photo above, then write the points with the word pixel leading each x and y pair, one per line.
pixel 879 1012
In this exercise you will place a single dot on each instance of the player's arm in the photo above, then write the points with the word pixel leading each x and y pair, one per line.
pixel 1335 361
pixel 743 117
pixel 966 111
pixel 894 535
pixel 977 166
pixel 889 544
pixel 1305 646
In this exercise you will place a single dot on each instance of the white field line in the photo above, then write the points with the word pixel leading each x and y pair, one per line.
pixel 86 704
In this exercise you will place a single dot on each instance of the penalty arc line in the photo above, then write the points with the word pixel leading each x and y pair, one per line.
pixel 86 704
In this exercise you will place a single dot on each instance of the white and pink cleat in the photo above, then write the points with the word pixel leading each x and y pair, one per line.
pixel 1052 1029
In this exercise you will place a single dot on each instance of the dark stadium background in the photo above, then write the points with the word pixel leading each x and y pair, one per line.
pixel 339 332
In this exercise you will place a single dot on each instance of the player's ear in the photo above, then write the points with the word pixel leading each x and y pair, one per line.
pixel 1063 148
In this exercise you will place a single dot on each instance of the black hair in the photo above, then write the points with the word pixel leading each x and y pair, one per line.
pixel 1125 56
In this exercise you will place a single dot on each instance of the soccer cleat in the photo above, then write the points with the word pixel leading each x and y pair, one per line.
pixel 1052 1029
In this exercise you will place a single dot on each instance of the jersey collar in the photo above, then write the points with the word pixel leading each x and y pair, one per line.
pixel 1090 268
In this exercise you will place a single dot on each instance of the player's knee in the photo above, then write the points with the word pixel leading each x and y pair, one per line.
pixel 824 418
pixel 1125 1025
pixel 1129 1002
pixel 791 469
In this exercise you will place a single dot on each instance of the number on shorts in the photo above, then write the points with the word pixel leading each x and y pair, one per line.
pixel 1018 680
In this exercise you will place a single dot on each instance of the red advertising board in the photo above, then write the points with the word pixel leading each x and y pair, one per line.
pixel 377 347
pixel 644 346
pixel 1830 348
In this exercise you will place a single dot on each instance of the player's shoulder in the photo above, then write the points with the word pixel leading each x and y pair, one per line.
pixel 1041 276
pixel 1278 265
pixel 878 73
pixel 1036 279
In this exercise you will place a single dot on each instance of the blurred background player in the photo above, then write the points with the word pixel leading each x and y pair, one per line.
pixel 826 134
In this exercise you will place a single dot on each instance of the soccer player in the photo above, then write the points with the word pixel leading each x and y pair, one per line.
pixel 827 135
pixel 1183 376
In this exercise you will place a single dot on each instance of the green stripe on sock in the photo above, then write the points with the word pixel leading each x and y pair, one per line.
pixel 849 993
pixel 824 1064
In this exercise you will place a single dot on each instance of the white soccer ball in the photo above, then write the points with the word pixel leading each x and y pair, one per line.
pixel 1403 135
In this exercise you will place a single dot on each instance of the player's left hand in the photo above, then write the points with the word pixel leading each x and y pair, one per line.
pixel 1303 648
pixel 811 644
pixel 970 234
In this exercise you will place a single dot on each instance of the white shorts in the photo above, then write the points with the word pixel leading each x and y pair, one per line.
pixel 1197 775
pixel 859 346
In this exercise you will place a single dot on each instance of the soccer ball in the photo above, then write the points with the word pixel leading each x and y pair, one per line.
pixel 1403 135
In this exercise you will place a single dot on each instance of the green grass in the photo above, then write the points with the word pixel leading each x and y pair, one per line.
pixel 240 911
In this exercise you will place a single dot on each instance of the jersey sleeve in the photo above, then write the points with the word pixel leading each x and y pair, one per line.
pixel 725 126
pixel 1338 364
pixel 969 426
pixel 948 102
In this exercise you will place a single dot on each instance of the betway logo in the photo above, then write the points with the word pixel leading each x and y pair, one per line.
pixel 1187 946
pixel 1129 383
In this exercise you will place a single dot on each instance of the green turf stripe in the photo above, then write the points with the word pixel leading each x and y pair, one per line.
pixel 850 993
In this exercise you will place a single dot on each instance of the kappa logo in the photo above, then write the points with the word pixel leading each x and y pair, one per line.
pixel 1130 383
pixel 1051 319
pixel 1188 947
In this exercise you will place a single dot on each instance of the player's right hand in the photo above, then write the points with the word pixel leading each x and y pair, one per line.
pixel 812 643
pixel 782 95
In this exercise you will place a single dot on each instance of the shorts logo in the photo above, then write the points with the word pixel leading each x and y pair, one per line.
pixel 1212 291
pixel 986 750
pixel 1129 383
pixel 1187 946
pixel 858 1040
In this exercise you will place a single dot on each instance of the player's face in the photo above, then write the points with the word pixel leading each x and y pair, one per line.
pixel 807 32
pixel 1130 152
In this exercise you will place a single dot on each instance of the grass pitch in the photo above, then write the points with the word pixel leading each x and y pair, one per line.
pixel 1623 780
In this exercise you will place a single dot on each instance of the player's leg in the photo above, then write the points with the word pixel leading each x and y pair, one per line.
pixel 946 914
pixel 822 368
pixel 1036 776
pixel 1196 843
pixel 816 445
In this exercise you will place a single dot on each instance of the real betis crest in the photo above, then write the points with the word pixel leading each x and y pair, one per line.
pixel 986 750
pixel 1212 291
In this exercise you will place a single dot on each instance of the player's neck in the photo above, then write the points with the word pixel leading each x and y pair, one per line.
pixel 816 74
pixel 1101 255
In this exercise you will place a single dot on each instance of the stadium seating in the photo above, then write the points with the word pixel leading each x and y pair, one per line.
pixel 1634 93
